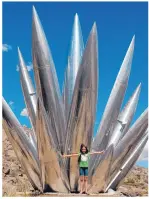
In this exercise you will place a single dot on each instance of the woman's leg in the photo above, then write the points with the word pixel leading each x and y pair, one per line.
pixel 86 183
pixel 86 179
pixel 81 184
pixel 81 180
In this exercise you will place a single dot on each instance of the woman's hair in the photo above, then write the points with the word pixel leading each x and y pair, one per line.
pixel 82 145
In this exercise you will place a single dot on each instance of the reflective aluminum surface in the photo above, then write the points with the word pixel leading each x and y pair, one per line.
pixel 99 179
pixel 47 83
pixel 112 109
pixel 76 52
pixel 125 118
pixel 29 94
pixel 74 61
pixel 129 163
pixel 128 143
pixel 51 165
pixel 115 100
pixel 26 153
pixel 66 92
pixel 83 107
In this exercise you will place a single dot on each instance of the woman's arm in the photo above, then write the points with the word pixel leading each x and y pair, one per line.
pixel 71 155
pixel 96 152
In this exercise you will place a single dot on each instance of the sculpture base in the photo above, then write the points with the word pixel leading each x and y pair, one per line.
pixel 21 194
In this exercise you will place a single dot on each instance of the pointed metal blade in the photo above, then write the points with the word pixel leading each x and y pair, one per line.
pixel 26 153
pixel 112 109
pixel 29 94
pixel 47 83
pixel 83 107
pixel 125 118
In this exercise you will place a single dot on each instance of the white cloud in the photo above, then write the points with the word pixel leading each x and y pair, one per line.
pixel 24 112
pixel 17 68
pixel 11 103
pixel 6 47
pixel 29 67
pixel 144 154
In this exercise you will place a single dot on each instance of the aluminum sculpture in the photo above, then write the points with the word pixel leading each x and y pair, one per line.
pixel 61 123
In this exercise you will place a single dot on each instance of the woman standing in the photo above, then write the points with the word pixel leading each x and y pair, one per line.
pixel 83 160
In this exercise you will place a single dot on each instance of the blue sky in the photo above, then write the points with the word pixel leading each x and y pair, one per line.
pixel 117 22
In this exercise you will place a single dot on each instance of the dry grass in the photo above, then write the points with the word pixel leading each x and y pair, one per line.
pixel 11 191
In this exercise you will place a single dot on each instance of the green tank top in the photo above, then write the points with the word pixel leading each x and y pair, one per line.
pixel 84 160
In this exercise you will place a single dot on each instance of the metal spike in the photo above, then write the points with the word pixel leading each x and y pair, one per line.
pixel 129 141
pixel 83 107
pixel 26 153
pixel 76 52
pixel 99 180
pixel 74 61
pixel 51 164
pixel 125 118
pixel 66 91
pixel 113 107
pixel 29 93
pixel 129 163
pixel 47 83
pixel 115 100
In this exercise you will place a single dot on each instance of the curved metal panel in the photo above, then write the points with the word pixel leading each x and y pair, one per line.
pixel 47 83
pixel 66 90
pixel 113 107
pixel 53 175
pixel 129 163
pixel 22 146
pixel 129 141
pixel 29 94
pixel 99 179
pixel 83 107
pixel 125 118
pixel 76 52
pixel 74 61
